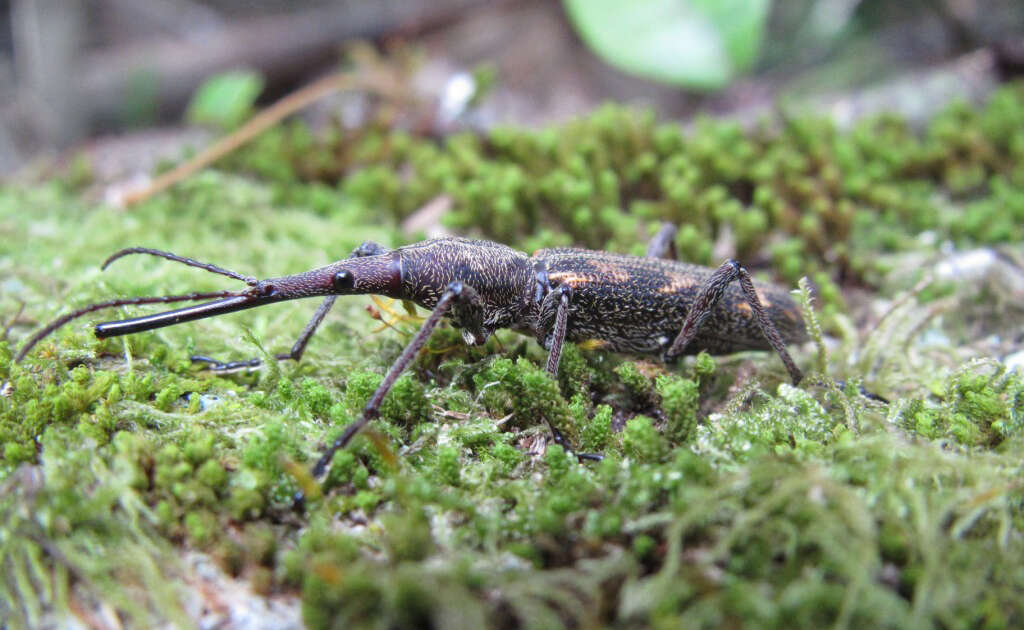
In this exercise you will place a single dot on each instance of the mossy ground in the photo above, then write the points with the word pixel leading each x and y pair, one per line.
pixel 726 497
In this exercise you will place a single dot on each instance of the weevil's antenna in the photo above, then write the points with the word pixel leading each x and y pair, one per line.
pixel 249 280
pixel 160 299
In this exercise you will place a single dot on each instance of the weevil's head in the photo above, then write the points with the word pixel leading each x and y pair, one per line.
pixel 379 274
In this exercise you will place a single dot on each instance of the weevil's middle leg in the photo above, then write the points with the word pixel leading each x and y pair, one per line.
pixel 554 357
pixel 299 347
pixel 456 291
pixel 559 330
pixel 709 296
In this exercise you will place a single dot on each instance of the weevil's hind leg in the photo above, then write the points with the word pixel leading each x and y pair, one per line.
pixel 456 292
pixel 299 347
pixel 664 242
pixel 554 357
pixel 709 296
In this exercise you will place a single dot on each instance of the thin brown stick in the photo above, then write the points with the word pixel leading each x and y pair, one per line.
pixel 255 126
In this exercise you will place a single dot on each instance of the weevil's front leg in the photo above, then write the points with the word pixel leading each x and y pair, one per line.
pixel 299 347
pixel 468 314
pixel 456 292
pixel 664 242
pixel 709 296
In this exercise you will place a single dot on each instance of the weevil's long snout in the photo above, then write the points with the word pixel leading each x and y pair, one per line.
pixel 261 293
pixel 381 273
pixel 177 316
pixel 372 274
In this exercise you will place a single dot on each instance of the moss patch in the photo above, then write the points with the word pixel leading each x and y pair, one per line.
pixel 726 497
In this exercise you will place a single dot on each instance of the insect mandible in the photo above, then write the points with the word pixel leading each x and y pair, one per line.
pixel 640 305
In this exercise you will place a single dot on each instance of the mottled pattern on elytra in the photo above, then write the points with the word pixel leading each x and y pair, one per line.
pixel 635 304
pixel 626 303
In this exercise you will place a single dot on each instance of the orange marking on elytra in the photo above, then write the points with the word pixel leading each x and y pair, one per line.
pixel 745 307
pixel 610 271
pixel 567 277
pixel 677 283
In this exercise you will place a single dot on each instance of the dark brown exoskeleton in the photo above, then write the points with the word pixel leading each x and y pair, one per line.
pixel 645 305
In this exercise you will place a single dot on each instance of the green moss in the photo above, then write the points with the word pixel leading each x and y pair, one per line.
pixel 525 390
pixel 202 528
pixel 638 383
pixel 449 470
pixel 558 462
pixel 507 457
pixel 704 366
pixel 212 475
pixel 405 406
pixel 315 397
pixel 366 500
pixel 597 431
pixel 640 440
pixel 15 453
pixel 167 396
pixel 343 467
pixel 245 504
pixel 408 536
pixel 679 398
pixel 729 500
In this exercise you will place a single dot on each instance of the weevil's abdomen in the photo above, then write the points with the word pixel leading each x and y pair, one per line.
pixel 633 304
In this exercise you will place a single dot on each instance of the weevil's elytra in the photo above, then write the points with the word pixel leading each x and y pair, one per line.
pixel 633 304
pixel 644 305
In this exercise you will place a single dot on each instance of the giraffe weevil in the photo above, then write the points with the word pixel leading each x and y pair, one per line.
pixel 642 305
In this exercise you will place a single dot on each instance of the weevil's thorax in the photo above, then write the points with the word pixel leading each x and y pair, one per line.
pixel 501 276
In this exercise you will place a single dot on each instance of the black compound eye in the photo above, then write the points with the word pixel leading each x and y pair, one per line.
pixel 344 280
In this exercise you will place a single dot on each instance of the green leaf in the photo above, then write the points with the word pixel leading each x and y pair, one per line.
pixel 225 100
pixel 696 43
